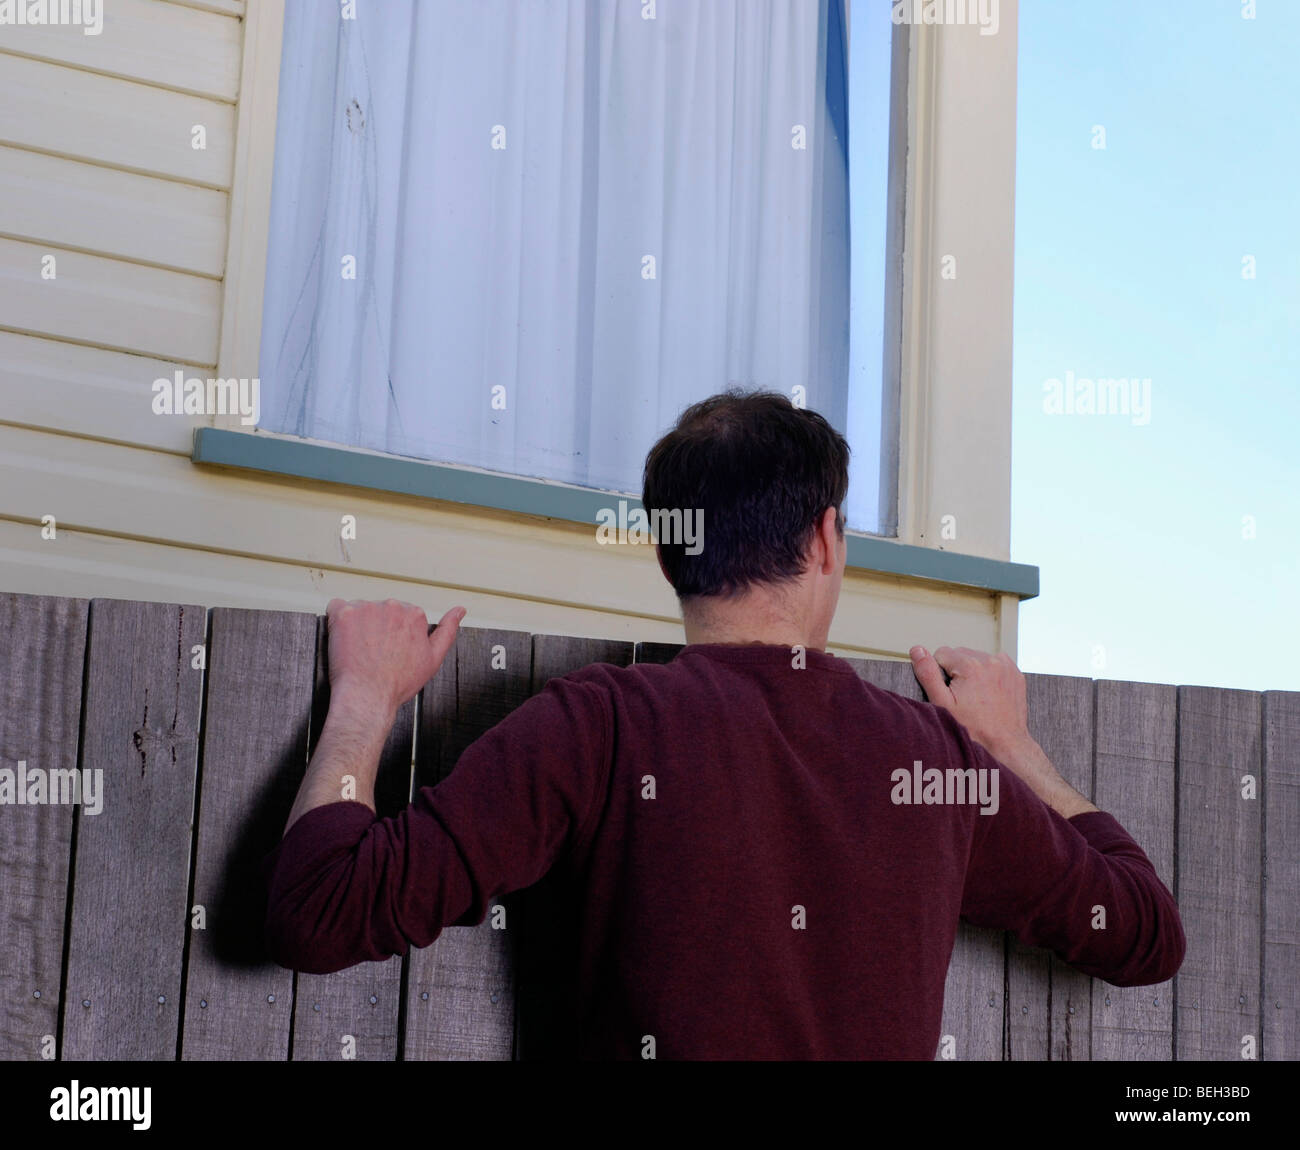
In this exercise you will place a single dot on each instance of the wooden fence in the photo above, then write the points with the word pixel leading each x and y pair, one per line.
pixel 135 933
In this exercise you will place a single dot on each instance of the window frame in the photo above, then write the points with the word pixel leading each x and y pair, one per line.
pixel 954 436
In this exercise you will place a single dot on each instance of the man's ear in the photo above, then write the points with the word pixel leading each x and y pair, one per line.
pixel 829 535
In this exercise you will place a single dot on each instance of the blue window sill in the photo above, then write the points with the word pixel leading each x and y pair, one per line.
pixel 325 463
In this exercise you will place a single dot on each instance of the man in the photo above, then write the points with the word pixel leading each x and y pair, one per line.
pixel 770 855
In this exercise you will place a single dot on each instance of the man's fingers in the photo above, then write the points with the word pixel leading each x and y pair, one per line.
pixel 956 660
pixel 930 675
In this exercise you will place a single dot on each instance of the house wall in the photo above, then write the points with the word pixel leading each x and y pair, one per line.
pixel 159 253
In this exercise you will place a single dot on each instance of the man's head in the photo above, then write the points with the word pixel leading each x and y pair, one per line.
pixel 770 479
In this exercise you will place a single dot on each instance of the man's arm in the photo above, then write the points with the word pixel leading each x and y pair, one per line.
pixel 1049 865
pixel 346 887
pixel 380 656
pixel 1029 761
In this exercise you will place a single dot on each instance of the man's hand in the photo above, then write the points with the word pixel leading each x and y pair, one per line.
pixel 380 655
pixel 986 695
pixel 383 652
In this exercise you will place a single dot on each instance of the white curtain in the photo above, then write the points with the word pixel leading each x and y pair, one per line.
pixel 569 219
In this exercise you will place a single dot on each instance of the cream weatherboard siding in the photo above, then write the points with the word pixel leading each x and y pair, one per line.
pixel 159 254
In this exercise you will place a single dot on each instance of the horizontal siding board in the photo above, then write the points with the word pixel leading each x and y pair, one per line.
pixel 196 507
pixel 223 7
pixel 119 123
pixel 145 40
pixel 70 204
pixel 121 306
pixel 135 569
pixel 88 391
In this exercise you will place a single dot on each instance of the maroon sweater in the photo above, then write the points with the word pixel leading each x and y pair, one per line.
pixel 775 898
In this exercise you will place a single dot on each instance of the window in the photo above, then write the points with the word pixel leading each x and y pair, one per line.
pixel 523 236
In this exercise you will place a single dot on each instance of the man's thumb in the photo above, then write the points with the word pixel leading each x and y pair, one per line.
pixel 444 635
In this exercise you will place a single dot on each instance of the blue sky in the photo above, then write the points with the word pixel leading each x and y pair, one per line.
pixel 1129 264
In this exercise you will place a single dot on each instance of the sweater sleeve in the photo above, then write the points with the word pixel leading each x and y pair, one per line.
pixel 346 887
pixel 1081 887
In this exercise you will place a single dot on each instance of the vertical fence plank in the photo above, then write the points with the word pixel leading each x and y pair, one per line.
pixel 432 1006
pixel 1137 728
pixel 546 958
pixel 461 998
pixel 132 868
pixel 41 662
pixel 261 665
pixel 1219 851
pixel 353 1013
pixel 1280 1039
pixel 889 675
pixel 1049 1011
pixel 493 677
pixel 656 652
pixel 974 1000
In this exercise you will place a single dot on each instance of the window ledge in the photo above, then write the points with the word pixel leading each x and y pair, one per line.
pixel 353 467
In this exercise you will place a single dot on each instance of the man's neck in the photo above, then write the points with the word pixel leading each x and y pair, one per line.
pixel 748 632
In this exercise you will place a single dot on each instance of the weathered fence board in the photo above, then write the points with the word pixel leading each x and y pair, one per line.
pixel 1280 1038
pixel 544 915
pixel 1219 854
pixel 41 663
pixel 129 916
pixel 1049 1015
pixel 135 908
pixel 462 999
pixel 1136 740
pixel 261 667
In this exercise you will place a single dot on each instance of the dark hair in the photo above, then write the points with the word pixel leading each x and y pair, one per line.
pixel 763 472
